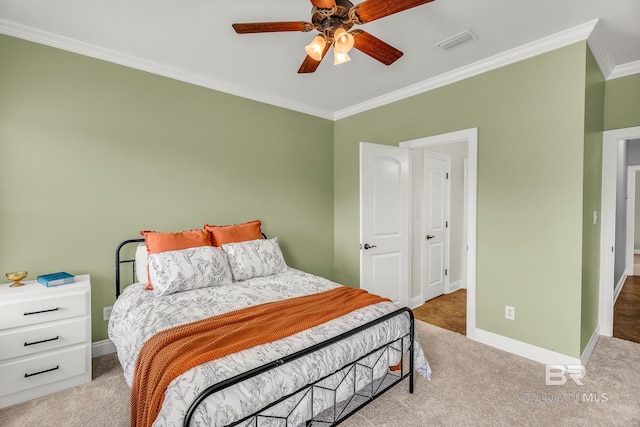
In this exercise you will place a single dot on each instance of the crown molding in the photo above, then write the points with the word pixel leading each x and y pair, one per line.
pixel 587 31
pixel 600 52
pixel 59 41
pixel 546 44
pixel 625 70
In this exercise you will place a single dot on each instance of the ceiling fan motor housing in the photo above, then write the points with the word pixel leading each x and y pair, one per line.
pixel 327 21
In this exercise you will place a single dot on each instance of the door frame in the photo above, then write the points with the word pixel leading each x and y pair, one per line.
pixel 471 137
pixel 610 140
pixel 465 228
pixel 632 172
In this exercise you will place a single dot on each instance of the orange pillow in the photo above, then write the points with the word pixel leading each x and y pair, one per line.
pixel 174 241
pixel 221 234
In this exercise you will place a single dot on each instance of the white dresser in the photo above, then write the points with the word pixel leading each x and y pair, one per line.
pixel 45 339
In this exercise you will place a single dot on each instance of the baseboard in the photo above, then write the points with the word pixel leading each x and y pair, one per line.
pixel 454 286
pixel 101 348
pixel 636 251
pixel 586 354
pixel 618 288
pixel 519 348
pixel 416 301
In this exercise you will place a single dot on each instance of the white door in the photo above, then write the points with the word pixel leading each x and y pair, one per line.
pixel 435 228
pixel 384 221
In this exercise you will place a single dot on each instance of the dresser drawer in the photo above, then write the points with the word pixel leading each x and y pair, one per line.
pixel 30 372
pixel 46 309
pixel 42 337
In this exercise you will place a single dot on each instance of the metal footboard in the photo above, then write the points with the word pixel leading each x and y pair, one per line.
pixel 341 410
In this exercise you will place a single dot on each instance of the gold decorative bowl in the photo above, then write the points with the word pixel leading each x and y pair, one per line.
pixel 16 276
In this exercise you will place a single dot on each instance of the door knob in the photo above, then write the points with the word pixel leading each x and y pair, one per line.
pixel 368 246
pixel 430 236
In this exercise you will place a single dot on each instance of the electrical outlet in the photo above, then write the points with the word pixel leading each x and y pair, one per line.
pixel 509 312
pixel 106 313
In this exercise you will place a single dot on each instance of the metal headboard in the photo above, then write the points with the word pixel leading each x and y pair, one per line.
pixel 120 261
pixel 132 261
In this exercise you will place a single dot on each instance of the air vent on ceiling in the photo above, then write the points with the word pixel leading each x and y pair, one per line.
pixel 454 41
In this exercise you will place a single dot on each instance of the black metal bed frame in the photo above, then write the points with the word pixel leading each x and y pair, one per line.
pixel 340 410
pixel 120 261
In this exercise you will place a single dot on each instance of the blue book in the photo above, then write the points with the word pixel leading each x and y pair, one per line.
pixel 55 279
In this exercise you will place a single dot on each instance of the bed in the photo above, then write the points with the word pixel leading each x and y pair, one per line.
pixel 316 376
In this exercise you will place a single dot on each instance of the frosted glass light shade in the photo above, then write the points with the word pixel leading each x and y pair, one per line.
pixel 343 41
pixel 316 47
pixel 340 58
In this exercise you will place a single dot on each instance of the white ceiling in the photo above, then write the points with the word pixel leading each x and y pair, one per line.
pixel 192 40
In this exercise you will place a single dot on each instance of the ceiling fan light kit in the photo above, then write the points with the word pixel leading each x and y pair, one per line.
pixel 333 19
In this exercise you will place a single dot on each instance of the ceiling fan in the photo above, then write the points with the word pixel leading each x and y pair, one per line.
pixel 333 19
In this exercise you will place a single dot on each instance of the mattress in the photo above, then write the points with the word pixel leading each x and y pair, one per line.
pixel 138 314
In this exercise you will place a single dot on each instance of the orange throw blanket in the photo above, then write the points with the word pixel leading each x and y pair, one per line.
pixel 174 351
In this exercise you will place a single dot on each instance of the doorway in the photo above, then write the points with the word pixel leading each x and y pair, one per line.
pixel 610 172
pixel 459 222
pixel 382 173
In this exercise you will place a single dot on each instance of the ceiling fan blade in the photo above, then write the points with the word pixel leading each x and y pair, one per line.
pixel 272 27
pixel 375 48
pixel 309 65
pixel 323 4
pixel 370 10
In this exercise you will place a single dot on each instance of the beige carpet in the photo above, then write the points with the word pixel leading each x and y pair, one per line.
pixel 472 385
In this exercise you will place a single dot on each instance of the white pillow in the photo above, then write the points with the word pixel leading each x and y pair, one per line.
pixel 187 269
pixel 255 258
pixel 141 263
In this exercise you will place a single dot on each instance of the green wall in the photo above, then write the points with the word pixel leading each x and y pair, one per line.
pixel 92 152
pixel 592 196
pixel 530 117
pixel 622 102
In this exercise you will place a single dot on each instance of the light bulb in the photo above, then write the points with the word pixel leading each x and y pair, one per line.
pixel 316 47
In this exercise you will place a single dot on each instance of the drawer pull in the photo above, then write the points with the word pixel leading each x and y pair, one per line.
pixel 41 372
pixel 41 311
pixel 40 342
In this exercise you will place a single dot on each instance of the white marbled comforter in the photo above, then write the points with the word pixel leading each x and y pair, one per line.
pixel 139 314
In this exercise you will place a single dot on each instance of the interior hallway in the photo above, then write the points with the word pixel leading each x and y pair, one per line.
pixel 626 313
